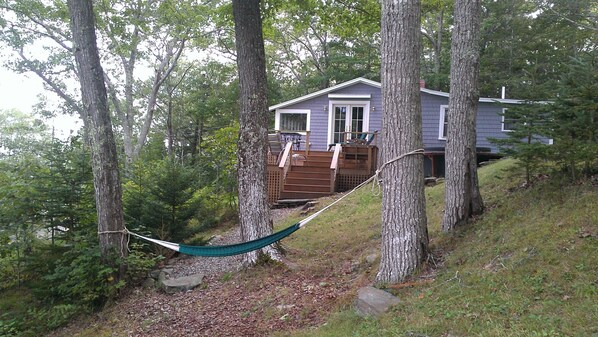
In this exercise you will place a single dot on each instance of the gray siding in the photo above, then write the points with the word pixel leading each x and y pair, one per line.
pixel 431 119
pixel 318 120
pixel 320 114
pixel 489 121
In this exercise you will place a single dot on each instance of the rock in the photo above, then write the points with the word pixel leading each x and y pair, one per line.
pixel 285 307
pixel 309 204
pixel 154 274
pixel 161 277
pixel 149 282
pixel 374 302
pixel 168 271
pixel 184 283
pixel 370 259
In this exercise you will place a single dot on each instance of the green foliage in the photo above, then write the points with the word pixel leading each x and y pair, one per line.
pixel 68 281
pixel 574 120
pixel 79 276
pixel 220 160
pixel 530 42
pixel 49 249
pixel 313 44
pixel 526 140
pixel 571 121
pixel 161 198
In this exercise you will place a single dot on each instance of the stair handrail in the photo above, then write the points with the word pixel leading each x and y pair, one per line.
pixel 334 166
pixel 286 159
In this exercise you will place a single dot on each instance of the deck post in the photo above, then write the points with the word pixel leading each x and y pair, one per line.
pixel 334 166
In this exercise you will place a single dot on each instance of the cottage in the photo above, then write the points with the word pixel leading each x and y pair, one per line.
pixel 334 140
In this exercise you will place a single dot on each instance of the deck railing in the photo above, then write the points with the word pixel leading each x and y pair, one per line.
pixel 334 166
pixel 370 137
pixel 299 134
pixel 285 163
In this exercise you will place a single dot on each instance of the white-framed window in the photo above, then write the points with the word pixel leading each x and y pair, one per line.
pixel 508 122
pixel 297 120
pixel 347 116
pixel 443 122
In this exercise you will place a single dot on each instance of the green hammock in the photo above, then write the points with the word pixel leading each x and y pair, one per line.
pixel 219 251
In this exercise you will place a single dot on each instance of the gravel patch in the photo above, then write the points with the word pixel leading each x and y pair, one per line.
pixel 189 265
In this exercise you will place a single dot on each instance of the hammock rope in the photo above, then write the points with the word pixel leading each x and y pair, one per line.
pixel 248 246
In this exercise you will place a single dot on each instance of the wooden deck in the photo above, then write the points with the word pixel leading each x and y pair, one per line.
pixel 314 174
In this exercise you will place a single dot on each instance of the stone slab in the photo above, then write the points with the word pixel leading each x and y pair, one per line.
pixel 180 284
pixel 374 302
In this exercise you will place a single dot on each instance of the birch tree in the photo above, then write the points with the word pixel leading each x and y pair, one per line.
pixel 254 213
pixel 106 177
pixel 404 227
pixel 463 199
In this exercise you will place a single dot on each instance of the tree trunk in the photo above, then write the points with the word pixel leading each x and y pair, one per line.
pixel 254 213
pixel 438 46
pixel 106 177
pixel 404 231
pixel 463 198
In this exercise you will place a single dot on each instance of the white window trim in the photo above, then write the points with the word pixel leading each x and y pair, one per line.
pixel 366 115
pixel 502 122
pixel 443 109
pixel 291 111
pixel 349 96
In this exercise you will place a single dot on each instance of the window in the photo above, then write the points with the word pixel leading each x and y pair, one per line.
pixel 508 120
pixel 347 119
pixel 443 125
pixel 292 120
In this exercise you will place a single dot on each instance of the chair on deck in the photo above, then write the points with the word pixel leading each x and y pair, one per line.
pixel 362 139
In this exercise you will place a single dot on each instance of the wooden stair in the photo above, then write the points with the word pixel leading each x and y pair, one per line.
pixel 311 180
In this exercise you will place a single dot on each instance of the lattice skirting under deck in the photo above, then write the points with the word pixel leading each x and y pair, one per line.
pixel 274 183
pixel 345 182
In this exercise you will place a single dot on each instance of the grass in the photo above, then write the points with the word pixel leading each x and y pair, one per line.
pixel 527 267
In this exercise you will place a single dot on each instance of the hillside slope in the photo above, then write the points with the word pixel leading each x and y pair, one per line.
pixel 527 267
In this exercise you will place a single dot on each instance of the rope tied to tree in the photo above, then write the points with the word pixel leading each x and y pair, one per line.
pixel 125 233
pixel 376 188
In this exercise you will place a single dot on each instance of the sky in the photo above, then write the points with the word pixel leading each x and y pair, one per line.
pixel 21 91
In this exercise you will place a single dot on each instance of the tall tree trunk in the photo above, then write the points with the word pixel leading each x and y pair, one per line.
pixel 462 197
pixel 404 227
pixel 254 213
pixel 106 177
